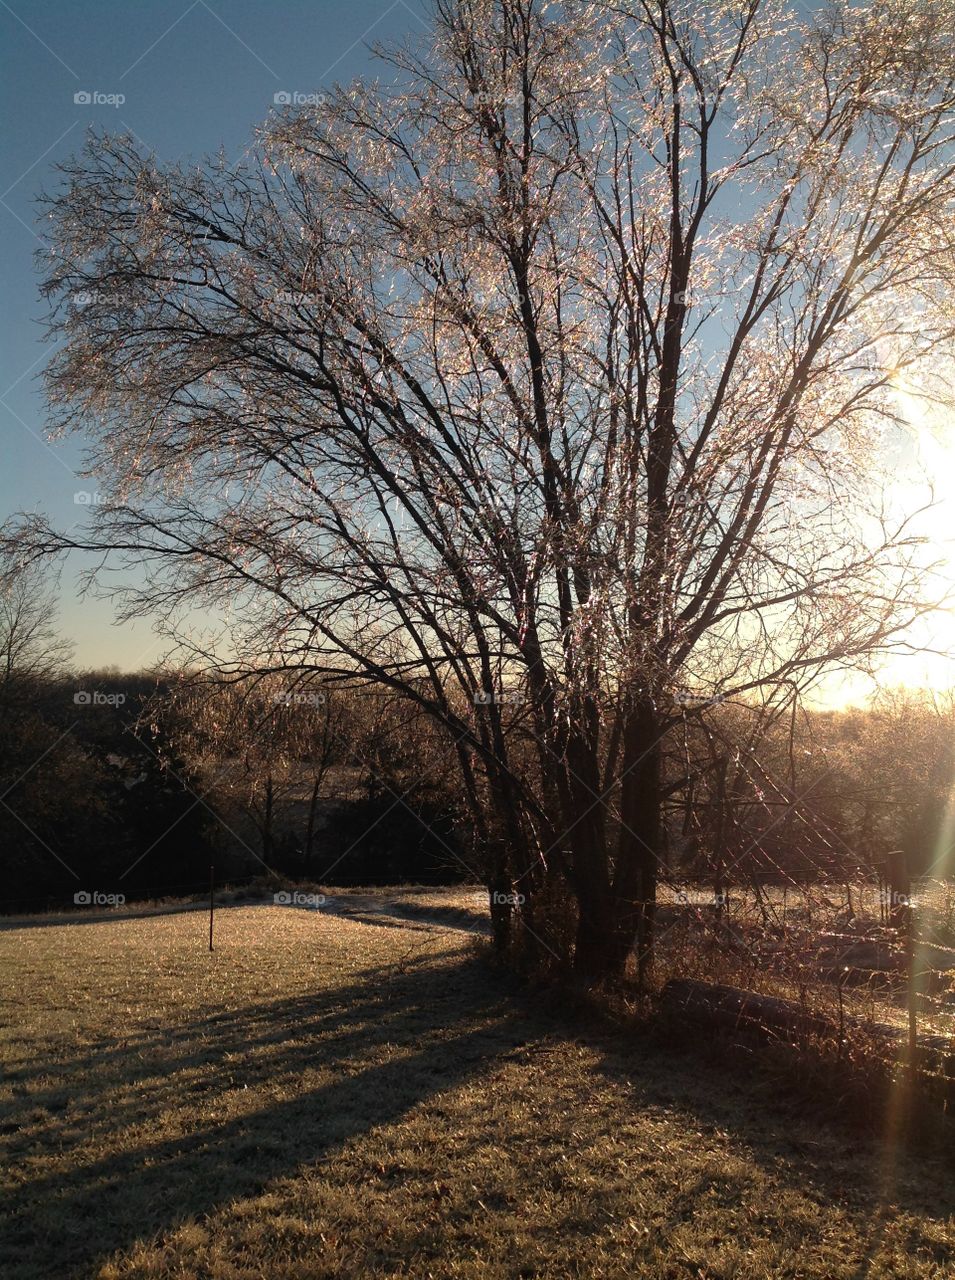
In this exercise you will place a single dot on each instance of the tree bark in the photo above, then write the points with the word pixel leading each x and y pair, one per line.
pixel 310 830
pixel 638 854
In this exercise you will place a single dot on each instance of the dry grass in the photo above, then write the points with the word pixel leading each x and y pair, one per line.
pixel 328 1097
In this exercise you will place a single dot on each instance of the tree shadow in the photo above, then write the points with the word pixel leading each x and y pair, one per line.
pixel 368 909
pixel 117 916
pixel 381 1046
pixel 802 1146
pixel 161 1126
pixel 454 917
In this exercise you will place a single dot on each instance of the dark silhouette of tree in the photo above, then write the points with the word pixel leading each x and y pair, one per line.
pixel 554 379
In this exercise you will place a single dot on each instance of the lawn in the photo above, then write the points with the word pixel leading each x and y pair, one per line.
pixel 328 1096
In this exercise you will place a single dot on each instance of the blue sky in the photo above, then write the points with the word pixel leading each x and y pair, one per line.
pixel 195 75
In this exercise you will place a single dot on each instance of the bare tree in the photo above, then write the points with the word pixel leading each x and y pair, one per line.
pixel 257 744
pixel 560 379
pixel 31 649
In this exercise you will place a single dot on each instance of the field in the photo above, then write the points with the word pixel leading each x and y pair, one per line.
pixel 356 1094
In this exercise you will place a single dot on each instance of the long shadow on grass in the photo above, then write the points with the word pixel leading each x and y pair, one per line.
pixel 726 1120
pixel 802 1148
pixel 9 924
pixel 341 1063
pixel 131 1083
pixel 204 1112
pixel 454 917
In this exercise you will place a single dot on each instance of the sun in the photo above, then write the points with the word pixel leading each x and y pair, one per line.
pixel 927 476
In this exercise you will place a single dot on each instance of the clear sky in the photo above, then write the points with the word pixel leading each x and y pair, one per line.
pixel 195 75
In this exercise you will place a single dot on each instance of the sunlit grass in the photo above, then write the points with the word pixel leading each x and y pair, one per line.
pixel 321 1097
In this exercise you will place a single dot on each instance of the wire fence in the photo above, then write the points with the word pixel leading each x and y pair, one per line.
pixel 856 957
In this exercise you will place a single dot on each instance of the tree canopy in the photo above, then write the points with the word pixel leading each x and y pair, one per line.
pixel 559 372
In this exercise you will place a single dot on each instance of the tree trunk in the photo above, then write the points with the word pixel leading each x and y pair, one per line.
pixel 638 855
pixel 900 887
pixel 267 821
pixel 499 892
pixel 593 945
pixel 585 825
pixel 594 957
pixel 310 830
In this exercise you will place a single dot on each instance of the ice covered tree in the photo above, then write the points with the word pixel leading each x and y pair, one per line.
pixel 559 374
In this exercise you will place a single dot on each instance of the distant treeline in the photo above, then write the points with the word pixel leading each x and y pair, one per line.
pixel 762 793
pixel 135 784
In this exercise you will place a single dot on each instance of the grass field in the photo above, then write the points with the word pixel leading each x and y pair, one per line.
pixel 335 1096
